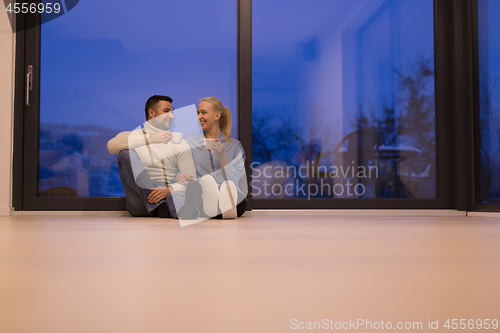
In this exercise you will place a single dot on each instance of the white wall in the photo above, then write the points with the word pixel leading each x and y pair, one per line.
pixel 6 111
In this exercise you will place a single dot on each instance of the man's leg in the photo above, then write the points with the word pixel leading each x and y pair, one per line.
pixel 136 191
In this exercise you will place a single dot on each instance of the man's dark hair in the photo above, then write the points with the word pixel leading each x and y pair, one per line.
pixel 153 101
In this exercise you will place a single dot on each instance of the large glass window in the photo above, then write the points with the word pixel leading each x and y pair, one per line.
pixel 343 99
pixel 489 85
pixel 99 64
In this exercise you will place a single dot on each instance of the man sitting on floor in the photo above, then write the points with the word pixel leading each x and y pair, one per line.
pixel 148 162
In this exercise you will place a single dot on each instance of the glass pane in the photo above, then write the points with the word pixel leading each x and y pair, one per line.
pixel 104 59
pixel 489 83
pixel 343 99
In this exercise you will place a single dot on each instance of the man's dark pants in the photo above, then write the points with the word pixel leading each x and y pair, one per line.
pixel 137 190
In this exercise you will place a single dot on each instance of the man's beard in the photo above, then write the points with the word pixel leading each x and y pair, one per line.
pixel 160 124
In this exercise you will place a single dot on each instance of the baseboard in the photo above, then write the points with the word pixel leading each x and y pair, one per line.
pixel 358 212
pixel 484 214
pixel 72 213
pixel 276 212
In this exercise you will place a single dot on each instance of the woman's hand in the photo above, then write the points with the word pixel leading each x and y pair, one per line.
pixel 158 194
pixel 183 178
pixel 218 147
pixel 221 155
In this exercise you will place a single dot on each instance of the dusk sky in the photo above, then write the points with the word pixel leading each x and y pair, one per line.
pixel 102 60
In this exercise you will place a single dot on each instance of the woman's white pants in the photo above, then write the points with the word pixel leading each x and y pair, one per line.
pixel 214 197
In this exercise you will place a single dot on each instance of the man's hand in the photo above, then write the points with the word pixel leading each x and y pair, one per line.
pixel 161 137
pixel 183 178
pixel 218 147
pixel 158 194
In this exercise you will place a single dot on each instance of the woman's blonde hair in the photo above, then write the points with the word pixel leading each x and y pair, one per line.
pixel 225 116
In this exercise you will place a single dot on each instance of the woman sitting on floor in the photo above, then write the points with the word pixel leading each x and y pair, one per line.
pixel 220 168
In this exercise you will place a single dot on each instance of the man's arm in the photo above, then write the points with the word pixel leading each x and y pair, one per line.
pixel 119 142
pixel 134 139
pixel 185 163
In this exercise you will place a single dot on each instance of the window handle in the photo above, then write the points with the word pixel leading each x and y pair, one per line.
pixel 29 84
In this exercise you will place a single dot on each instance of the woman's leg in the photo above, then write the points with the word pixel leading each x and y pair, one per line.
pixel 228 196
pixel 188 209
pixel 210 196
pixel 240 208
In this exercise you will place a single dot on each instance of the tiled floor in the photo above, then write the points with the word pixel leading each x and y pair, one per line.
pixel 255 274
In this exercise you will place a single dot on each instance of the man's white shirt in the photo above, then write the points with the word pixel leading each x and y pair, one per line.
pixel 177 158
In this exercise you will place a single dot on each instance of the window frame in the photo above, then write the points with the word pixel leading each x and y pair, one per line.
pixel 27 123
pixel 444 151
pixel 457 111
pixel 476 204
